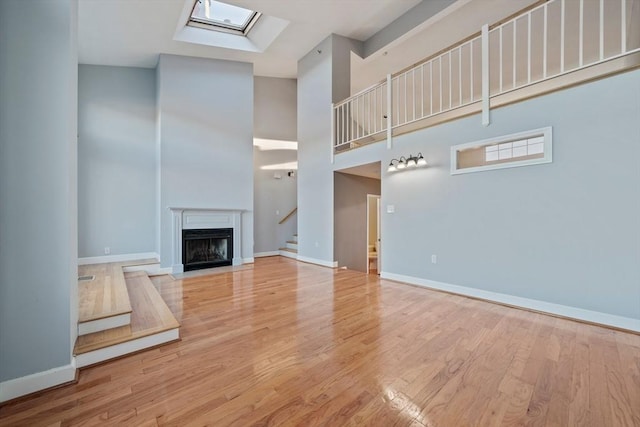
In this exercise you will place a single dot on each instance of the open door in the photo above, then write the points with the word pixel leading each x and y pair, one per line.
pixel 373 234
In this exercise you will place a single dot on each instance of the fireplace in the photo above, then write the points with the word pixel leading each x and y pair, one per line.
pixel 206 248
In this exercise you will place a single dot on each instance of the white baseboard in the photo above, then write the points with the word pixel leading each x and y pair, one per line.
pixel 91 326
pixel 97 356
pixel 250 260
pixel 22 386
pixel 288 254
pixel 532 304
pixel 264 254
pixel 330 264
pixel 117 258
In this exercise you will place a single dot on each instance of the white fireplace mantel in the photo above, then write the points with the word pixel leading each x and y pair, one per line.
pixel 194 218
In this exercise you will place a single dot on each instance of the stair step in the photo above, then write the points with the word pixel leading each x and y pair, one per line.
pixel 290 253
pixel 152 324
pixel 292 245
pixel 103 301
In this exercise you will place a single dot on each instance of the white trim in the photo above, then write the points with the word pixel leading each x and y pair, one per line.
pixel 330 264
pixel 288 254
pixel 195 218
pixel 22 386
pixel 160 271
pixel 97 325
pixel 532 304
pixel 263 254
pixel 117 258
pixel 111 352
pixel 250 260
pixel 147 268
pixel 546 133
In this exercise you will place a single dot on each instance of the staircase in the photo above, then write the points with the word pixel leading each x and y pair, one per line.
pixel 291 248
pixel 120 312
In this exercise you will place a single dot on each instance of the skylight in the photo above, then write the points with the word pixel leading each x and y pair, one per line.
pixel 215 15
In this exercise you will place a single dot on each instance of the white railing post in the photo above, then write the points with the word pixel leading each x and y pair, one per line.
pixel 389 120
pixel 333 131
pixel 485 75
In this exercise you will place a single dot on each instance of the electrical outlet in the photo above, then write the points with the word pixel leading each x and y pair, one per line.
pixel 107 250
pixel 277 212
pixel 391 208
pixel 434 259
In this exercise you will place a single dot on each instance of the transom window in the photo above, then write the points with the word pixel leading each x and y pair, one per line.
pixel 521 149
pixel 218 16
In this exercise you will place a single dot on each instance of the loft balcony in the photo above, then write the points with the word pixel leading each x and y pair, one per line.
pixel 557 44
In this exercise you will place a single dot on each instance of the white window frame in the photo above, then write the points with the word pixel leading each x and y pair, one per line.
pixel 545 132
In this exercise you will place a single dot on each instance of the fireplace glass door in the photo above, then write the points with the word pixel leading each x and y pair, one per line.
pixel 206 248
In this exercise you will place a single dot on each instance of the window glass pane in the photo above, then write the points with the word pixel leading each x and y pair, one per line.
pixel 222 14
pixel 522 143
pixel 492 148
pixel 536 148
pixel 519 151
pixel 505 154
pixel 492 156
pixel 506 145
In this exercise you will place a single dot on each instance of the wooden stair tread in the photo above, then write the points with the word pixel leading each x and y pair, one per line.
pixel 150 315
pixel 104 296
pixel 295 251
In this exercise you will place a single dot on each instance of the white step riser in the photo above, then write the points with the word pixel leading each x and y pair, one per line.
pixel 85 328
pixel 97 356
pixel 292 246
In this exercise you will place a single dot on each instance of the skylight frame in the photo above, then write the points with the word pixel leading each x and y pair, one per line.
pixel 214 25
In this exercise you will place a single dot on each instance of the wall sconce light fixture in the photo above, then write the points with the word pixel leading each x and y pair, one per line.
pixel 404 162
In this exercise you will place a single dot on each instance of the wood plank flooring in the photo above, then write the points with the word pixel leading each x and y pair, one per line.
pixel 288 343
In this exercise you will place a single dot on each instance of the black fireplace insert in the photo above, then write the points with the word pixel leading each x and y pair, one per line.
pixel 207 248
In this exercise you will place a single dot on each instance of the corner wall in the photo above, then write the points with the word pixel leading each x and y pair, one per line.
pixel 38 193
pixel 116 160
pixel 323 78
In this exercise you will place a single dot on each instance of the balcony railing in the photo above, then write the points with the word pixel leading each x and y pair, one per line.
pixel 553 39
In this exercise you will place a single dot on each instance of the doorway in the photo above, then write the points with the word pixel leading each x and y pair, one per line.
pixel 352 186
pixel 373 234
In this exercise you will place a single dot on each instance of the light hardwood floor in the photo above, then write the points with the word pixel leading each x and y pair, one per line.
pixel 288 343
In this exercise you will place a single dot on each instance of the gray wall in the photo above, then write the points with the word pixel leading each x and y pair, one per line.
pixel 567 232
pixel 38 222
pixel 205 109
pixel 116 160
pixel 275 112
pixel 350 219
pixel 275 108
pixel 323 78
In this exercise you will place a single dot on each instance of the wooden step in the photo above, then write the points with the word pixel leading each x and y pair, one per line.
pixel 104 301
pixel 289 253
pixel 152 324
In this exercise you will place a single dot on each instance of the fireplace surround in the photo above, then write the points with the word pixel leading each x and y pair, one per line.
pixel 212 221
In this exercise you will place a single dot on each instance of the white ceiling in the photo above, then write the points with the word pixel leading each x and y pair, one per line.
pixel 134 32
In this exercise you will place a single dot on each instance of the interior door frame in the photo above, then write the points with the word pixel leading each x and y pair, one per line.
pixel 379 246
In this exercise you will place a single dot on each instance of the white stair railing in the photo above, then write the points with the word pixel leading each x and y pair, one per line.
pixel 555 38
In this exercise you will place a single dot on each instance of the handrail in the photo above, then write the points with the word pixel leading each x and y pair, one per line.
pixel 527 48
pixel 287 216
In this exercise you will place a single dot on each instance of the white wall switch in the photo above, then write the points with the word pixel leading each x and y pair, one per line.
pixel 434 259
